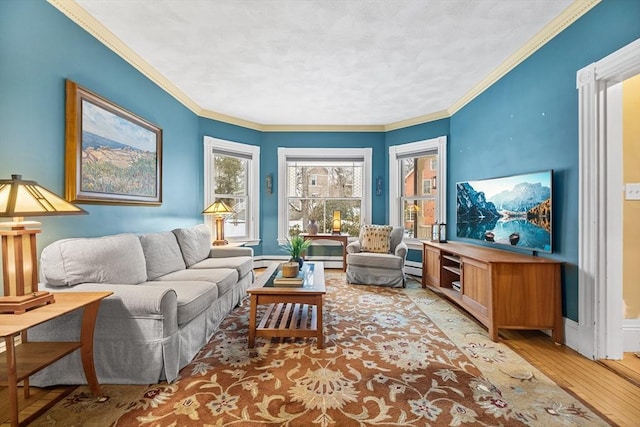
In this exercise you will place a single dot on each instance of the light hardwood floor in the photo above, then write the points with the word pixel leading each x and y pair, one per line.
pixel 604 390
pixel 628 367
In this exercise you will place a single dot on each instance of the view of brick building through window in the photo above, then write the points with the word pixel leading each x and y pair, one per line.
pixel 419 194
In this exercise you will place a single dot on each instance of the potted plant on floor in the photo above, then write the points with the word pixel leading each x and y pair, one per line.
pixel 295 247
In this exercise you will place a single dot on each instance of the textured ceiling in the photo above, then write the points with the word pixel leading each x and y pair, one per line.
pixel 325 62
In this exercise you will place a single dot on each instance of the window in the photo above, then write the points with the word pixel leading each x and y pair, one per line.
pixel 427 185
pixel 417 194
pixel 232 174
pixel 342 182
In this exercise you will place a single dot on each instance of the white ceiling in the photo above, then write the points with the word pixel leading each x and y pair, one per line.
pixel 325 62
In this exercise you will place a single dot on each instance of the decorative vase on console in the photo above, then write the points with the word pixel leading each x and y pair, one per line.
pixel 312 228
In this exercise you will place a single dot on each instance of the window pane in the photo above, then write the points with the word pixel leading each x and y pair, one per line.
pixel 419 215
pixel 419 175
pixel 311 179
pixel 235 225
pixel 315 188
pixel 230 175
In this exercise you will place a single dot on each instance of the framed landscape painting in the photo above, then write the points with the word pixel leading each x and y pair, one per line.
pixel 112 155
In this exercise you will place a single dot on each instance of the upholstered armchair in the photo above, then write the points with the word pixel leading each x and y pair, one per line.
pixel 377 257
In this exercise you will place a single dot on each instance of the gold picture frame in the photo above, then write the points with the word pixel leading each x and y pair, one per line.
pixel 112 156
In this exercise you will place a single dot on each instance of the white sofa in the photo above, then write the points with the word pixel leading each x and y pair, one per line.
pixel 170 290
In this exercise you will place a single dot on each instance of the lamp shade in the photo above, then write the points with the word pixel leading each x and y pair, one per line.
pixel 218 208
pixel 20 198
pixel 336 223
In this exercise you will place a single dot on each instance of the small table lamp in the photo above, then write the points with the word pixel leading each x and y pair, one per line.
pixel 220 209
pixel 336 224
pixel 18 199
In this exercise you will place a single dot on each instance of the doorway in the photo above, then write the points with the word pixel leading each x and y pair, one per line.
pixel 601 324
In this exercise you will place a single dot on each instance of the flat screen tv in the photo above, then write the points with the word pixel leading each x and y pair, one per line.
pixel 511 210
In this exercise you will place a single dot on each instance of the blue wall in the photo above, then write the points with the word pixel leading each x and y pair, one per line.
pixel 527 121
pixel 39 49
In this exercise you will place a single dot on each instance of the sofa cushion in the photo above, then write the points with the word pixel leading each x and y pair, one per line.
pixel 194 297
pixel 162 253
pixel 195 243
pixel 225 278
pixel 375 260
pixel 109 259
pixel 243 264
pixel 375 238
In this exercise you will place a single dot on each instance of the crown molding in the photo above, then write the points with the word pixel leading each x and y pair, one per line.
pixel 552 29
pixel 432 117
pixel 289 128
pixel 323 128
pixel 78 15
pixel 87 22
pixel 208 114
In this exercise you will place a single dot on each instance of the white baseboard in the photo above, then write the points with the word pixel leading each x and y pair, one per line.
pixel 631 335
pixel 411 267
pixel 266 260
pixel 571 334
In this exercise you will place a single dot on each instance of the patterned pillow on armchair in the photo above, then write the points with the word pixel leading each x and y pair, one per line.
pixel 375 238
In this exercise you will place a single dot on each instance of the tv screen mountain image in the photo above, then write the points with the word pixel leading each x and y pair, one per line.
pixel 513 210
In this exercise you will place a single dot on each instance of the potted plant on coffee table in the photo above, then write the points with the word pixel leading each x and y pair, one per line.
pixel 295 247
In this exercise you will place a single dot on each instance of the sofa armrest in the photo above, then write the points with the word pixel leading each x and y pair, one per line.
pixel 401 251
pixel 137 300
pixel 353 247
pixel 130 310
pixel 229 251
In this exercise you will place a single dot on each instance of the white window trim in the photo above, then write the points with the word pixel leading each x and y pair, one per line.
pixel 395 183
pixel 253 182
pixel 319 154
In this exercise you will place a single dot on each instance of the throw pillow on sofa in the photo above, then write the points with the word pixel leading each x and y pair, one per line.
pixel 195 243
pixel 116 259
pixel 162 253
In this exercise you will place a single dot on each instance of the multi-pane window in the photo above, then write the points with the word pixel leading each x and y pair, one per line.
pixel 315 183
pixel 416 199
pixel 231 176
pixel 417 195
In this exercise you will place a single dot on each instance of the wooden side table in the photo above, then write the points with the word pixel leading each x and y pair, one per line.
pixel 342 238
pixel 30 357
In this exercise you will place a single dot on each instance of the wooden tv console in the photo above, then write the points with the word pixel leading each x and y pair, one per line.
pixel 502 289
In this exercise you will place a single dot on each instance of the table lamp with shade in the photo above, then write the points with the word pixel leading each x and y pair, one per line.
pixel 220 209
pixel 18 199
pixel 336 223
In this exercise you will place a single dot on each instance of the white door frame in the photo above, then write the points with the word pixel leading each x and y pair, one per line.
pixel 597 296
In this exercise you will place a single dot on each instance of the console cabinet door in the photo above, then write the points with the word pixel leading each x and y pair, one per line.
pixel 476 288
pixel 431 264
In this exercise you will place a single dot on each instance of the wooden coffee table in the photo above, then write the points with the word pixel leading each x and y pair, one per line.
pixel 292 311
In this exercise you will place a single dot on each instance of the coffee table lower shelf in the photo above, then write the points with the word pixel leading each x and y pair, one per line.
pixel 289 320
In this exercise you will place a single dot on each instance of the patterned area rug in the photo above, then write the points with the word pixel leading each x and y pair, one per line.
pixel 393 357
